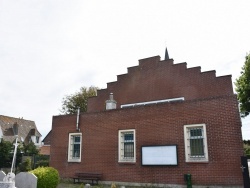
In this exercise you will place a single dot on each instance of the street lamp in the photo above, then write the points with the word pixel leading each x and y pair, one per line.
pixel 15 131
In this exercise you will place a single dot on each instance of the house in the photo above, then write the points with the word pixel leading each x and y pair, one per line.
pixel 154 124
pixel 45 148
pixel 27 130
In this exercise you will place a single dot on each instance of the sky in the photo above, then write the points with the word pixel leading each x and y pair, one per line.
pixel 51 48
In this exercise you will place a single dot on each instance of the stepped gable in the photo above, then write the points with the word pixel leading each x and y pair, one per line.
pixel 154 79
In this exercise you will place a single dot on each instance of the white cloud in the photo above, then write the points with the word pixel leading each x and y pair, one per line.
pixel 50 48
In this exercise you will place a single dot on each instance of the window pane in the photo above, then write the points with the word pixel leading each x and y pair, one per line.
pixel 76 150
pixel 76 146
pixel 128 137
pixel 196 132
pixel 196 142
pixel 76 139
pixel 196 147
pixel 129 149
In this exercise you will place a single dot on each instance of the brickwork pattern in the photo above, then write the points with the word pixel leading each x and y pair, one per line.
pixel 208 99
pixel 159 124
pixel 154 79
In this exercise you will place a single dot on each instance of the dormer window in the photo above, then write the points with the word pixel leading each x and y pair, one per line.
pixel 37 139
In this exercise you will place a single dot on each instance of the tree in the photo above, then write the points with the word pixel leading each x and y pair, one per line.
pixel 5 154
pixel 25 166
pixel 246 146
pixel 30 149
pixel 71 103
pixel 243 88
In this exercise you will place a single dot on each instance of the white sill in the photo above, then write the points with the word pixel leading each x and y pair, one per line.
pixel 126 161
pixel 74 160
pixel 197 161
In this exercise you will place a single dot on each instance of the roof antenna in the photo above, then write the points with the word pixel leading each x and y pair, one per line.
pixel 166 54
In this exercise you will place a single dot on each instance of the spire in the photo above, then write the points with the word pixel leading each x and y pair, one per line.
pixel 166 54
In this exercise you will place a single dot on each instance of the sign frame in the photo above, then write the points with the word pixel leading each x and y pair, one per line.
pixel 159 155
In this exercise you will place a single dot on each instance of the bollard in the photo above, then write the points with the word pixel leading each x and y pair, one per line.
pixel 187 178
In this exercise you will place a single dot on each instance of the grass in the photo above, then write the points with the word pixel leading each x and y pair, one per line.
pixel 69 184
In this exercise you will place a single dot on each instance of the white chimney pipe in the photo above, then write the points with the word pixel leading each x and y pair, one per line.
pixel 111 103
pixel 77 119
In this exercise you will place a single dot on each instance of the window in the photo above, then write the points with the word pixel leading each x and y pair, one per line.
pixel 37 139
pixel 195 143
pixel 74 149
pixel 127 145
pixel 34 139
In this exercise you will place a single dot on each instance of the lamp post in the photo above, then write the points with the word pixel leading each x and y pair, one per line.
pixel 15 131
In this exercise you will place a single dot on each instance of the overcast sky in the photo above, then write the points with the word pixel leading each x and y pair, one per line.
pixel 51 48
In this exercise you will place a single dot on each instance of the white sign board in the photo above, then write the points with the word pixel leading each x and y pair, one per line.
pixel 159 155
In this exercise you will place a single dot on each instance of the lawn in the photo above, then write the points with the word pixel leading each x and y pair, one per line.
pixel 71 185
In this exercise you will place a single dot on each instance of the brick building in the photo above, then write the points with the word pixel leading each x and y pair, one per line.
pixel 167 120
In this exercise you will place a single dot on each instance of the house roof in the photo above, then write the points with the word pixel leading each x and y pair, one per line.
pixel 26 129
pixel 47 139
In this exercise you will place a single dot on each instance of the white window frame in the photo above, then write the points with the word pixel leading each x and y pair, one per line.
pixel 37 139
pixel 121 142
pixel 70 148
pixel 188 137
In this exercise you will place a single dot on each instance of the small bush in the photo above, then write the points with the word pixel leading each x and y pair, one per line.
pixel 113 185
pixel 47 177
pixel 41 163
pixel 25 166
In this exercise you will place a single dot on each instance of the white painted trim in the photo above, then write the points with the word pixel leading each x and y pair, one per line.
pixel 152 102
pixel 69 143
pixel 186 142
pixel 120 159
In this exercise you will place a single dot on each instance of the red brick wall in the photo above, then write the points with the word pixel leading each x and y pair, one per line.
pixel 44 150
pixel 158 124
pixel 155 80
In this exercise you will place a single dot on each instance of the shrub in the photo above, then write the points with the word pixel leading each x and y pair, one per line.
pixel 41 163
pixel 25 166
pixel 47 177
pixel 113 185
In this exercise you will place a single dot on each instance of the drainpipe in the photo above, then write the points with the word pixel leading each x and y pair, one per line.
pixel 77 119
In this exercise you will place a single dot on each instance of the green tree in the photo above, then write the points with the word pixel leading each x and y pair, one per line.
pixel 246 146
pixel 243 88
pixel 30 149
pixel 5 153
pixel 71 103
pixel 25 166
